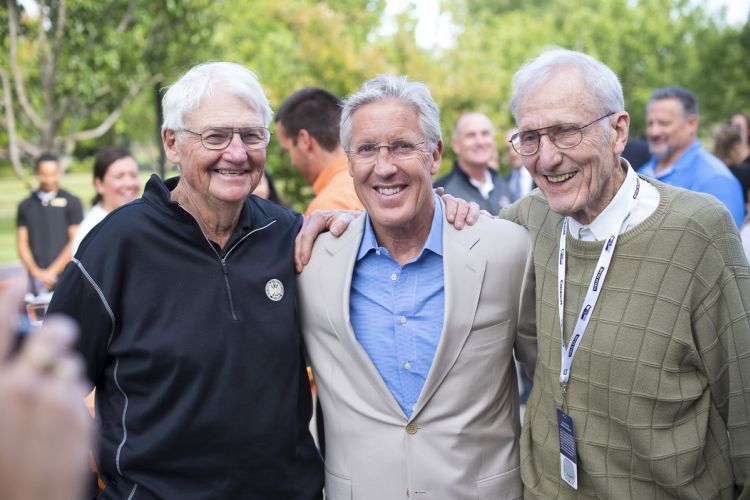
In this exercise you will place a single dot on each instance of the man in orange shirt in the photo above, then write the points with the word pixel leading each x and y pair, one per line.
pixel 307 125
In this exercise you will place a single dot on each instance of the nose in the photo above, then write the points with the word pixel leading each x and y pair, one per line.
pixel 548 153
pixel 383 163
pixel 236 150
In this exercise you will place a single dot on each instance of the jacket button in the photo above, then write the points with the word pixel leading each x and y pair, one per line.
pixel 411 428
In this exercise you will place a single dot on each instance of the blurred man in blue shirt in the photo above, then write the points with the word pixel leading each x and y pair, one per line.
pixel 678 158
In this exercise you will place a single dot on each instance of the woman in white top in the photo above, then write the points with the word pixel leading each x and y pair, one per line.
pixel 117 183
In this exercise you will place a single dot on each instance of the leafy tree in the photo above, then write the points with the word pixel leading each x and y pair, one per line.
pixel 648 43
pixel 302 43
pixel 70 70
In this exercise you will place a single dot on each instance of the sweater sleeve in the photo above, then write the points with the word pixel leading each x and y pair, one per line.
pixel 721 329
pixel 79 297
pixel 525 346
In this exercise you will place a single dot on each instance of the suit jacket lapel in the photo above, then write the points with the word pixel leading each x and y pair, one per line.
pixel 464 274
pixel 336 283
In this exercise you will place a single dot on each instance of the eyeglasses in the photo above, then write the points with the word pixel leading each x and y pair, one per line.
pixel 564 136
pixel 398 150
pixel 220 137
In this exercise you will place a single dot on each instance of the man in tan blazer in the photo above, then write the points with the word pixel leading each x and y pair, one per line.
pixel 411 325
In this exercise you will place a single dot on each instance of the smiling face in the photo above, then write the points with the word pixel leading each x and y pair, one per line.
pixel 580 181
pixel 120 184
pixel 397 193
pixel 474 141
pixel 669 130
pixel 217 178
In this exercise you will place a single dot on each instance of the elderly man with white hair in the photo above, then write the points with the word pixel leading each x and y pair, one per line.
pixel 186 305
pixel 641 385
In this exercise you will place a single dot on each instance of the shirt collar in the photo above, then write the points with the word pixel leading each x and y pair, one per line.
pixel 486 187
pixel 434 241
pixel 682 162
pixel 46 196
pixel 608 221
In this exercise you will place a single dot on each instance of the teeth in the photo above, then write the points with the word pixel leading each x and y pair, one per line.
pixel 560 178
pixel 389 191
pixel 230 172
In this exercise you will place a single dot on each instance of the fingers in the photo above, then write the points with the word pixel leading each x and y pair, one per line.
pixel 341 222
pixel 451 207
pixel 314 224
pixel 318 222
pixel 485 213
pixel 474 212
pixel 45 431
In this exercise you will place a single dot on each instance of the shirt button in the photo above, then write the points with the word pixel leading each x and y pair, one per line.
pixel 394 277
pixel 402 320
pixel 411 428
pixel 407 365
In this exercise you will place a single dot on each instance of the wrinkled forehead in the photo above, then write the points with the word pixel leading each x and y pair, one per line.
pixel 561 97
pixel 224 109
pixel 387 119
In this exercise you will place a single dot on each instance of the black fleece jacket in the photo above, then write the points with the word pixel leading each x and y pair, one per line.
pixel 195 353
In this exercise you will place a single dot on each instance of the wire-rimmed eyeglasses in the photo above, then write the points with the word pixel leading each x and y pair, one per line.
pixel 220 137
pixel 398 150
pixel 564 136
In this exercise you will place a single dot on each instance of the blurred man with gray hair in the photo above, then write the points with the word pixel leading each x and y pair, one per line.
pixel 411 325
pixel 642 297
pixel 678 157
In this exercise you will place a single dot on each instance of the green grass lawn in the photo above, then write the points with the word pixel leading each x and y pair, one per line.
pixel 12 191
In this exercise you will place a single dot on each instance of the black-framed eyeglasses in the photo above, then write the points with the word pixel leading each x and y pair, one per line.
pixel 398 150
pixel 220 137
pixel 564 136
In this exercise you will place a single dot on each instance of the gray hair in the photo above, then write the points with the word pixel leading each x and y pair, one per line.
pixel 600 80
pixel 398 87
pixel 687 100
pixel 203 81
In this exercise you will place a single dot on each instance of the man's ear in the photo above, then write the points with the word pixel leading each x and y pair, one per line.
pixel 436 156
pixel 621 129
pixel 169 141
pixel 693 121
pixel 304 140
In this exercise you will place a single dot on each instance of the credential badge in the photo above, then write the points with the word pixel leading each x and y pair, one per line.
pixel 274 290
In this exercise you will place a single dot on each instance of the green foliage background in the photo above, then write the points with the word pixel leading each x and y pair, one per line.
pixel 336 44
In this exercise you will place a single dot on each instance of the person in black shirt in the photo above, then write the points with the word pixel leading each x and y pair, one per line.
pixel 45 225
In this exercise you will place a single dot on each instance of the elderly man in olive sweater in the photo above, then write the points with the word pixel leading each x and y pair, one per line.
pixel 642 382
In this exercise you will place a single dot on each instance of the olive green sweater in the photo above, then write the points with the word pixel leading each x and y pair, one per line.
pixel 660 387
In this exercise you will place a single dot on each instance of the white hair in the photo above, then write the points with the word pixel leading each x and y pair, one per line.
pixel 203 81
pixel 383 87
pixel 601 82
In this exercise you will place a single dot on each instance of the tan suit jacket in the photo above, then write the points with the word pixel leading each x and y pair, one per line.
pixel 461 441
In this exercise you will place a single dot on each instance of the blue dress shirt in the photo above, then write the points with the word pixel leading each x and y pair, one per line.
pixel 698 170
pixel 397 312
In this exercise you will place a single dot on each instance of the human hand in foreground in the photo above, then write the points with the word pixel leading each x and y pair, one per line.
pixel 45 431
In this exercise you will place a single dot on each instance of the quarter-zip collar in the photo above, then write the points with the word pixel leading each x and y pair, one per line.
pixel 157 192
